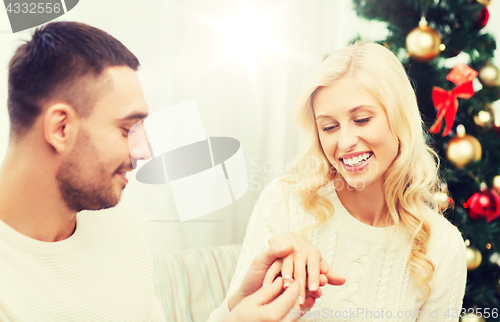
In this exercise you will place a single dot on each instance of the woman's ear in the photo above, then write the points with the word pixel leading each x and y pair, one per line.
pixel 60 126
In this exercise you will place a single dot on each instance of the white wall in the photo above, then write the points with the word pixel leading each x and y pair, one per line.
pixel 183 57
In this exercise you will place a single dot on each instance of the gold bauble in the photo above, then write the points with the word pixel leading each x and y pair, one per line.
pixel 471 317
pixel 486 117
pixel 496 183
pixel 463 148
pixel 474 258
pixel 422 43
pixel 484 2
pixel 489 75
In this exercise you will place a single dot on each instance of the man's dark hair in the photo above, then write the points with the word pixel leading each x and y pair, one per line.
pixel 64 61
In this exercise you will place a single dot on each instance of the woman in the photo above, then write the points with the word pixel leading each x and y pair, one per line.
pixel 361 193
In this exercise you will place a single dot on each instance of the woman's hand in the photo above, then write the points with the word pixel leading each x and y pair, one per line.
pixel 305 264
pixel 268 304
pixel 310 297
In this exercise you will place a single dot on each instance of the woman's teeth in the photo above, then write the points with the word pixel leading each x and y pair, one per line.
pixel 357 160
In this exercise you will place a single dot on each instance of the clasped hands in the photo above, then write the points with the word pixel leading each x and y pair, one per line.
pixel 287 275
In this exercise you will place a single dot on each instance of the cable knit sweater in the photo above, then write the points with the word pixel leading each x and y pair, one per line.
pixel 379 285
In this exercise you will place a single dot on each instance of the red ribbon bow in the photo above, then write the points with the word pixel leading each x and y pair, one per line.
pixel 446 103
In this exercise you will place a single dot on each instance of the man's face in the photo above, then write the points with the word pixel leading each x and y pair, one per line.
pixel 90 179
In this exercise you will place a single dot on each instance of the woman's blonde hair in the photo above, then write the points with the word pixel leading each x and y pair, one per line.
pixel 412 178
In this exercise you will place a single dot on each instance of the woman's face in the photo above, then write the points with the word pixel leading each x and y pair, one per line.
pixel 354 133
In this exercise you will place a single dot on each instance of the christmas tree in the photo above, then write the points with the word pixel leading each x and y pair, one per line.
pixel 427 36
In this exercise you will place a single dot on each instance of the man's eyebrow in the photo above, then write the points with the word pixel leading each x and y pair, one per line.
pixel 134 116
pixel 351 111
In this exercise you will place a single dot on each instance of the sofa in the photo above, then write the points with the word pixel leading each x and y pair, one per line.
pixel 191 284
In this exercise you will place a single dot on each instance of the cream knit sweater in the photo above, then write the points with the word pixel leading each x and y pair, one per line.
pixel 379 285
pixel 103 272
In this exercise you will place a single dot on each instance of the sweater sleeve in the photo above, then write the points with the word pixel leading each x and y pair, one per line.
pixel 448 283
pixel 271 208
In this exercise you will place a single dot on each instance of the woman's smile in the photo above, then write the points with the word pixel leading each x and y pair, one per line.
pixel 357 163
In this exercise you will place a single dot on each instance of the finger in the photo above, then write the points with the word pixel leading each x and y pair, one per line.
pixel 281 306
pixel 314 294
pixel 308 304
pixel 323 267
pixel 313 261
pixel 287 270
pixel 323 279
pixel 293 314
pixel 333 278
pixel 273 271
pixel 268 293
pixel 299 274
pixel 272 253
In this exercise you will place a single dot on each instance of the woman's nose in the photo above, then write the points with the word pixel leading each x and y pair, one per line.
pixel 347 139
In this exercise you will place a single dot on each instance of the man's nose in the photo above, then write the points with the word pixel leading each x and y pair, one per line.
pixel 138 144
pixel 140 152
pixel 347 139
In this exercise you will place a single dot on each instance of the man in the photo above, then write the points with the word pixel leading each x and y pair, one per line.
pixel 73 96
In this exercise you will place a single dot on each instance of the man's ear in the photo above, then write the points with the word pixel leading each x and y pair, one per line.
pixel 60 126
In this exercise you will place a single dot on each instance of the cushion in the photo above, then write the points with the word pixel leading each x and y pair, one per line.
pixel 191 284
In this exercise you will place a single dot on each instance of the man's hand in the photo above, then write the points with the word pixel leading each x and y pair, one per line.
pixel 305 262
pixel 267 305
pixel 254 278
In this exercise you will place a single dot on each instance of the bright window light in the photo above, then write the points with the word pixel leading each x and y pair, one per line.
pixel 248 35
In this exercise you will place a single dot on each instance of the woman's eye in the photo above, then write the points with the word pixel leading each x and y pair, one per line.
pixel 329 128
pixel 361 121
